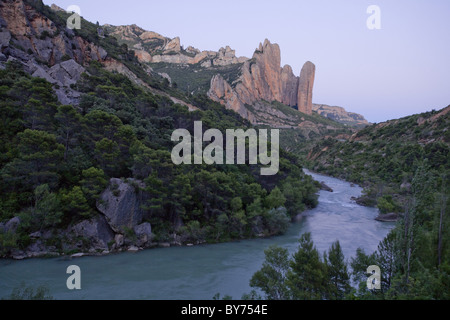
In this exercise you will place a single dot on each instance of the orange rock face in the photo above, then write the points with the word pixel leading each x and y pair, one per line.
pixel 262 78
pixel 36 33
pixel 305 88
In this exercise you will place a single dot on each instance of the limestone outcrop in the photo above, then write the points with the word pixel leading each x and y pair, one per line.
pixel 339 114
pixel 39 37
pixel 262 78
pixel 121 205
pixel 305 88
pixel 173 46
pixel 221 91
pixel 96 230
pixel 289 85
pixel 151 47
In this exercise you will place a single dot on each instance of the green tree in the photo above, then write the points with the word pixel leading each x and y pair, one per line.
pixel 222 226
pixel 37 162
pixel 69 121
pixel 277 221
pixel 93 183
pixel 75 203
pixel 46 211
pixel 39 103
pixel 275 199
pixel 125 138
pixel 30 293
pixel 359 265
pixel 386 260
pixel 255 215
pixel 271 278
pixel 385 204
pixel 156 197
pixel 101 124
pixel 293 191
pixel 337 273
pixel 107 153
pixel 180 201
pixel 307 276
pixel 238 220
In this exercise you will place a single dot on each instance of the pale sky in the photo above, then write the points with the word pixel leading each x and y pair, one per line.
pixel 399 70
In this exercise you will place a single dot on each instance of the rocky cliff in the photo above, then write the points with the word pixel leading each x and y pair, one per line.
pixel 151 47
pixel 46 49
pixel 262 78
pixel 339 114
pixel 259 78
pixel 305 88
pixel 36 36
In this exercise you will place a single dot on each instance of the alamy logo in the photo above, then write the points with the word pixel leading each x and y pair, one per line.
pixel 374 281
pixel 74 281
pixel 374 20
pixel 74 21
pixel 214 152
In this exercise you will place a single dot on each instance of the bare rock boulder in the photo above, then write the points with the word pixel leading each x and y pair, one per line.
pixel 67 72
pixel 143 233
pixel 12 225
pixel 96 230
pixel 121 204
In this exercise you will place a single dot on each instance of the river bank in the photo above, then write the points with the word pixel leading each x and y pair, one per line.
pixel 201 271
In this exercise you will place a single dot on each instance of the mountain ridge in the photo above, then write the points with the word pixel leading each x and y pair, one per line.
pixel 226 77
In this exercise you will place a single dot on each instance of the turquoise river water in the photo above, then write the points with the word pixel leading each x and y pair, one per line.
pixel 199 272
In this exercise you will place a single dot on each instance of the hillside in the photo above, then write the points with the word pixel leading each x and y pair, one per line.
pixel 88 160
pixel 404 166
pixel 340 115
pixel 240 83
pixel 86 146
pixel 384 157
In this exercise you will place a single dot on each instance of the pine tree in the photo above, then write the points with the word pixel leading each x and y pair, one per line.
pixel 307 277
pixel 75 203
pixel 337 273
pixel 271 278
pixel 93 183
pixel 69 121
pixel 37 160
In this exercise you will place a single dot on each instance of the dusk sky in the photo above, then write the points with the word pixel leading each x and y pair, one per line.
pixel 399 70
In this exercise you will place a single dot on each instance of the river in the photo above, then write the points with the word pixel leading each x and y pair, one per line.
pixel 199 272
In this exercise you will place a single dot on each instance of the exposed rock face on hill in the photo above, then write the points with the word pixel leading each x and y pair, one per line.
pixel 37 36
pixel 339 114
pixel 96 230
pixel 289 86
pixel 305 88
pixel 262 78
pixel 34 40
pixel 222 92
pixel 58 54
pixel 151 47
pixel 121 205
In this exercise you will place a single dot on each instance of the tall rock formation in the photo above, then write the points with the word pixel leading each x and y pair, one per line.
pixel 262 78
pixel 305 88
pixel 222 92
pixel 289 86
